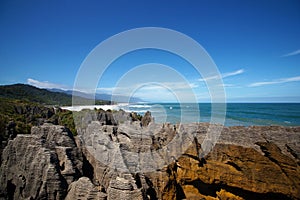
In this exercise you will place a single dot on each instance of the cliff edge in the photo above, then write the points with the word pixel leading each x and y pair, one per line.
pixel 139 159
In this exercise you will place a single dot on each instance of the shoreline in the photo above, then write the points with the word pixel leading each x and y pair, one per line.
pixel 121 106
pixel 236 115
pixel 91 107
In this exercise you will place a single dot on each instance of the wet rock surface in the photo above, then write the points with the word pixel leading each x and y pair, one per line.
pixel 130 158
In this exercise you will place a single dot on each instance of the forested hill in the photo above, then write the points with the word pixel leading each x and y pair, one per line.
pixel 33 94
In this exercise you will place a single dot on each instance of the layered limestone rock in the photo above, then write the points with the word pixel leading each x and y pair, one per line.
pixel 117 155
pixel 247 163
pixel 168 161
pixel 121 188
pixel 40 165
pixel 84 189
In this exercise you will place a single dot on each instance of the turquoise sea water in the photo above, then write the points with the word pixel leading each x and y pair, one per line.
pixel 245 114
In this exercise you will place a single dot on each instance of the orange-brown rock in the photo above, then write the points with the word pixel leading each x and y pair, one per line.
pixel 256 170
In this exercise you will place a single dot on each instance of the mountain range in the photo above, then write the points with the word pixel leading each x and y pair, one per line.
pixel 58 97
pixel 100 96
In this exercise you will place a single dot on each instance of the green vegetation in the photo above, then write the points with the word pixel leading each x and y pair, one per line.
pixel 23 106
pixel 17 117
pixel 32 94
pixel 65 118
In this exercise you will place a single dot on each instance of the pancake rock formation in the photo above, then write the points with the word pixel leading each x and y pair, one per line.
pixel 116 155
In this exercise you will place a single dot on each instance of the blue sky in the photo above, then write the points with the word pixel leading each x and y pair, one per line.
pixel 255 44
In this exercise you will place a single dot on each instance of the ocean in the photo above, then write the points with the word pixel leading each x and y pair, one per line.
pixel 237 114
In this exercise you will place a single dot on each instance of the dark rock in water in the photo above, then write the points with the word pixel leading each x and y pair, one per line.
pixel 114 157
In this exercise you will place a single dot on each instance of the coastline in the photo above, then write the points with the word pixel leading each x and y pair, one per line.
pixel 237 114
pixel 91 107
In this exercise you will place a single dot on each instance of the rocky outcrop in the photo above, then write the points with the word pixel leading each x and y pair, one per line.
pixel 165 160
pixel 32 110
pixel 40 165
pixel 147 119
pixel 247 162
pixel 84 189
pixel 116 156
pixel 18 117
pixel 121 188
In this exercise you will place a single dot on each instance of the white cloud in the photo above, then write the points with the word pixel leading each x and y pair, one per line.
pixel 228 85
pixel 292 53
pixel 256 84
pixel 45 84
pixel 291 79
pixel 237 72
pixel 179 85
pixel 283 80
pixel 150 86
pixel 225 75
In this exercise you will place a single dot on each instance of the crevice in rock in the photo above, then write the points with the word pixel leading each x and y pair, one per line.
pixel 63 185
pixel 137 180
pixel 62 167
pixel 173 186
pixel 291 151
pixel 269 156
pixel 87 168
pixel 110 137
pixel 212 189
pixel 55 161
pixel 234 165
pixel 125 134
pixel 266 152
pixel 205 189
pixel 197 145
pixel 179 192
pixel 201 161
pixel 21 189
pixel 11 188
pixel 70 134
pixel 151 193
pixel 63 182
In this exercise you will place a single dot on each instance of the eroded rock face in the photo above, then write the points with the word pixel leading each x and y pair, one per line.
pixel 40 165
pixel 123 158
pixel 147 119
pixel 247 162
pixel 121 188
pixel 84 189
pixel 257 166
